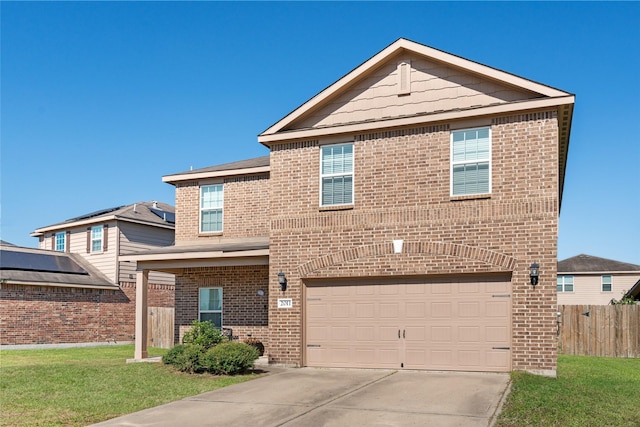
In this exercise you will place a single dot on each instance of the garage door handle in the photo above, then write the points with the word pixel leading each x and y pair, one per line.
pixel 403 331
pixel 398 333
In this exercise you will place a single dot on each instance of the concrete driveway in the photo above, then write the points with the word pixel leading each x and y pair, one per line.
pixel 337 397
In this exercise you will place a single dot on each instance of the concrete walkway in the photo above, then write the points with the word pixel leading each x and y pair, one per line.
pixel 337 397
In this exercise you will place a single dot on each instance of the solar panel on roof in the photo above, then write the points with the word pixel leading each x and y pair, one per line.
pixel 166 216
pixel 96 213
pixel 28 261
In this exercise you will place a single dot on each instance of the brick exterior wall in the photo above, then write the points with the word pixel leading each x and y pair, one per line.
pixel 243 310
pixel 245 214
pixel 402 191
pixel 57 315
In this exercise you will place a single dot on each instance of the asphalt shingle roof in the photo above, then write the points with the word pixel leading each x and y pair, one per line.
pixel 587 263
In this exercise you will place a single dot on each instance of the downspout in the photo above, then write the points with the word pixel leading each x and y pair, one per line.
pixel 117 227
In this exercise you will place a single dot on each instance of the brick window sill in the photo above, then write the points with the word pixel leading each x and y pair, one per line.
pixel 470 197
pixel 336 208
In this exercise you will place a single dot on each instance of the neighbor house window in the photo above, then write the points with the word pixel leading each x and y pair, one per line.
pixel 607 281
pixel 336 175
pixel 96 238
pixel 211 306
pixel 470 162
pixel 565 283
pixel 61 242
pixel 211 203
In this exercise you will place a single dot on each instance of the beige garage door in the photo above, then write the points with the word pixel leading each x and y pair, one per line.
pixel 454 324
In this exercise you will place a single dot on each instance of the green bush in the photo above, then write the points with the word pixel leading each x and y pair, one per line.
pixel 204 334
pixel 190 359
pixel 172 355
pixel 230 358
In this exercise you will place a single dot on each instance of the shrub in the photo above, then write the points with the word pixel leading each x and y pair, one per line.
pixel 257 344
pixel 230 358
pixel 172 355
pixel 204 334
pixel 190 359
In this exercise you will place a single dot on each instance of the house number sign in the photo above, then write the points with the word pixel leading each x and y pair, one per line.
pixel 285 302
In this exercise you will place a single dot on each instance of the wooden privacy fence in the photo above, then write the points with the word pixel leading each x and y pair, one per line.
pixel 599 330
pixel 160 327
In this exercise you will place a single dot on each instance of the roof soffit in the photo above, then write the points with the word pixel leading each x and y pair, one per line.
pixel 435 67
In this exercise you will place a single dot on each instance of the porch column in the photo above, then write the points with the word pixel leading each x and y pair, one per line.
pixel 142 281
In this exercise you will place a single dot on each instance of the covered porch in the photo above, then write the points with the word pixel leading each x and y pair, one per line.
pixel 238 269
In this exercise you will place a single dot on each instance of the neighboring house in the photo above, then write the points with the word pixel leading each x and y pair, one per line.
pixel 586 279
pixel 393 224
pixel 60 312
pixel 50 297
pixel 102 237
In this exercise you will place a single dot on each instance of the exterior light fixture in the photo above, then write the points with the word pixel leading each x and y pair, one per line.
pixel 282 281
pixel 534 273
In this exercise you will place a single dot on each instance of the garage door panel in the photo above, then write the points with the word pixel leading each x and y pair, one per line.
pixel 447 325
pixel 441 309
pixel 389 310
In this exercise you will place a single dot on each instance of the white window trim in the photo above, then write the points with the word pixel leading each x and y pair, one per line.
pixel 602 283
pixel 573 284
pixel 200 209
pixel 213 311
pixel 64 241
pixel 451 162
pixel 352 174
pixel 95 227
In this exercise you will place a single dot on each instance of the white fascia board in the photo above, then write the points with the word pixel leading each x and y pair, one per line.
pixel 194 255
pixel 67 225
pixel 173 266
pixel 422 119
pixel 213 174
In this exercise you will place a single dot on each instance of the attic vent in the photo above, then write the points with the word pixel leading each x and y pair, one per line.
pixel 404 77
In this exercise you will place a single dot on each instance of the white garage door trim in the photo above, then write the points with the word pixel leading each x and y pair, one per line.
pixel 461 323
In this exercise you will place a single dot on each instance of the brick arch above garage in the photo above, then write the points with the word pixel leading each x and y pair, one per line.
pixel 416 258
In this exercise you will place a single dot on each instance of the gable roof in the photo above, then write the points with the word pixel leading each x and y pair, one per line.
pixel 310 119
pixel 546 95
pixel 28 266
pixel 155 214
pixel 591 264
pixel 241 167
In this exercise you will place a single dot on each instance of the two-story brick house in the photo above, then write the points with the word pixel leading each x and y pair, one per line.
pixel 393 224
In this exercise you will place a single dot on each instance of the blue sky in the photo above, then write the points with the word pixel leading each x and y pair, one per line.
pixel 100 100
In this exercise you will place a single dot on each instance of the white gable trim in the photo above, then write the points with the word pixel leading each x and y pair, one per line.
pixel 407 45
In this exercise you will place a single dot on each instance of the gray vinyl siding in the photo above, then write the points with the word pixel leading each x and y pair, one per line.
pixel 138 237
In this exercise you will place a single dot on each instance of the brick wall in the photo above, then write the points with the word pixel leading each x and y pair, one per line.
pixel 57 315
pixel 402 191
pixel 245 214
pixel 243 309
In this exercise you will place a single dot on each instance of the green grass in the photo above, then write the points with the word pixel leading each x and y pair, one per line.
pixel 589 391
pixel 80 386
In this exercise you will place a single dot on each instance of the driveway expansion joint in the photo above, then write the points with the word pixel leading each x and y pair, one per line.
pixel 345 394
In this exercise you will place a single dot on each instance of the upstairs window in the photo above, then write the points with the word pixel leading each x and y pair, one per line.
pixel 96 238
pixel 210 307
pixel 336 175
pixel 211 204
pixel 565 283
pixel 471 162
pixel 607 283
pixel 60 242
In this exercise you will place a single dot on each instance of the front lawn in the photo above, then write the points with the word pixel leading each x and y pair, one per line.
pixel 80 386
pixel 589 391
